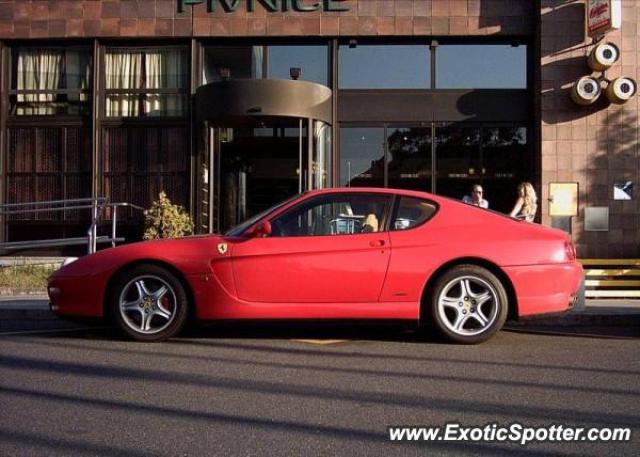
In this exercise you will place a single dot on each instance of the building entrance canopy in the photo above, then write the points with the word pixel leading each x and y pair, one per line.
pixel 238 98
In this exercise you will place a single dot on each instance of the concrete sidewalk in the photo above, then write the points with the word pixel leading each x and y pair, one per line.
pixel 596 312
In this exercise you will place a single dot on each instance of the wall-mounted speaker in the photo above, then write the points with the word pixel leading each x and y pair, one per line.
pixel 621 90
pixel 586 90
pixel 603 56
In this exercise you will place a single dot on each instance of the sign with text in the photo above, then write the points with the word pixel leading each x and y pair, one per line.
pixel 603 16
pixel 272 6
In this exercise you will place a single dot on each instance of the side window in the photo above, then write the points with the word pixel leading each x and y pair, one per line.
pixel 412 212
pixel 341 214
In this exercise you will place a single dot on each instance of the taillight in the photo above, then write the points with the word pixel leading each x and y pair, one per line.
pixel 570 250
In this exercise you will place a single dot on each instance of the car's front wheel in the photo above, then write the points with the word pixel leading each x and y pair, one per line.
pixel 468 304
pixel 149 303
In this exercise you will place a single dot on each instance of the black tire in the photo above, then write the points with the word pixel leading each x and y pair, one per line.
pixel 467 304
pixel 140 308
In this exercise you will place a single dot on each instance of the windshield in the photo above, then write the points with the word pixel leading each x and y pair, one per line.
pixel 238 229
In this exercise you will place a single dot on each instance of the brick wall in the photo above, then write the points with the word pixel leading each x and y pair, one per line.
pixel 596 145
pixel 148 18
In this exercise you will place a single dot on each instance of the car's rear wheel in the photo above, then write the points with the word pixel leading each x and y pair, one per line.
pixel 468 304
pixel 149 303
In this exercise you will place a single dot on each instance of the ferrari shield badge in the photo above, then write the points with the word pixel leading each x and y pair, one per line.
pixel 222 248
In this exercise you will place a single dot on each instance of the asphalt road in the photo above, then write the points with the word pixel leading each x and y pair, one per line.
pixel 282 390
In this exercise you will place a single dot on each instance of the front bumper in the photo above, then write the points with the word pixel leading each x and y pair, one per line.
pixel 76 296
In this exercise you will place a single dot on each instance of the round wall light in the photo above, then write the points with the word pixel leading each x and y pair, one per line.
pixel 586 90
pixel 603 56
pixel 621 90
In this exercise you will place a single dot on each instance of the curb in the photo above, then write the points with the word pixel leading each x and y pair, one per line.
pixel 586 319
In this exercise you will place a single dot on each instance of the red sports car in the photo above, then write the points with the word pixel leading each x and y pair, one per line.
pixel 334 254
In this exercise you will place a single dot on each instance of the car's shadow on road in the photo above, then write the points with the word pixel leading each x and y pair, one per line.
pixel 321 333
pixel 318 332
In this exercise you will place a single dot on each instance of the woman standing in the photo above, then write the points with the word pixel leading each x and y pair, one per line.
pixel 527 203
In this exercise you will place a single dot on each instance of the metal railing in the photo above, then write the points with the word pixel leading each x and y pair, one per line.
pixel 97 207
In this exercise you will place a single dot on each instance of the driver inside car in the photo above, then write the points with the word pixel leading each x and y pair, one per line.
pixel 370 223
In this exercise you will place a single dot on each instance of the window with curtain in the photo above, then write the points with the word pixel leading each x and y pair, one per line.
pixel 50 81
pixel 146 82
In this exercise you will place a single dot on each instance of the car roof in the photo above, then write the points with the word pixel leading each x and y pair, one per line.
pixel 377 190
pixel 439 199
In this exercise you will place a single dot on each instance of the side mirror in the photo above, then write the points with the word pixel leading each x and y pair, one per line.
pixel 262 230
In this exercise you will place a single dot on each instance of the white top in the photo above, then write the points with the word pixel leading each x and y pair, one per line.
pixel 469 200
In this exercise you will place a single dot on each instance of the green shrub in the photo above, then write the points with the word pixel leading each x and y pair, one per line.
pixel 166 220
pixel 18 279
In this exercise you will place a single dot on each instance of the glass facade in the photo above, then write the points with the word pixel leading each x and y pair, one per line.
pixel 498 158
pixel 267 62
pixel 458 155
pixel 228 170
pixel 384 67
pixel 481 67
pixel 439 155
pixel 409 158
pixel 362 155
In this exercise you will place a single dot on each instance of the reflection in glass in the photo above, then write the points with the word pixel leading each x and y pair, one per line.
pixel 458 161
pixel 409 160
pixel 362 157
pixel 257 170
pixel 481 67
pixel 321 161
pixel 384 67
pixel 506 162
pixel 312 60
pixel 242 62
pixel 270 62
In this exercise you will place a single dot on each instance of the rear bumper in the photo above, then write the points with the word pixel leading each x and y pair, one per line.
pixel 546 289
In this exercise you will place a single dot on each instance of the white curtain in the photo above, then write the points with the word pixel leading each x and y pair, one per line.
pixel 257 58
pixel 165 69
pixel 154 69
pixel 38 70
pixel 123 70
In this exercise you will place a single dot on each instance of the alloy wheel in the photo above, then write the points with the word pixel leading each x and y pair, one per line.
pixel 147 304
pixel 468 305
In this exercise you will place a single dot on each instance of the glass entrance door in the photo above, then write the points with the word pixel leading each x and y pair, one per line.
pixel 258 162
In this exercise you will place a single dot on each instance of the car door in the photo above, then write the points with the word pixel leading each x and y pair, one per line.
pixel 332 248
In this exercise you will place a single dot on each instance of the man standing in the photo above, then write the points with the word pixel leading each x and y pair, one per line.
pixel 476 197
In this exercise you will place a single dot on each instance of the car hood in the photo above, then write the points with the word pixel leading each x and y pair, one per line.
pixel 191 255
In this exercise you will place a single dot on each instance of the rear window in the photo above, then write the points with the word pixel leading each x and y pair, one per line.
pixel 412 212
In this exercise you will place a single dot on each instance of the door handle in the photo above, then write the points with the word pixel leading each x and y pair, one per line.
pixel 376 243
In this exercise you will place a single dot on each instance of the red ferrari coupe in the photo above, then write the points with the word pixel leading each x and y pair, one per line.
pixel 334 254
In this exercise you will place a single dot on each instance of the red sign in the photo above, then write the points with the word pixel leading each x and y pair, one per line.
pixel 603 16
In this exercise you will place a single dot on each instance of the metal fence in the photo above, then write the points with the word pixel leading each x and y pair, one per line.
pixel 98 207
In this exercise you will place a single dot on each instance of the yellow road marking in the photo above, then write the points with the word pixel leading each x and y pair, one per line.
pixel 322 342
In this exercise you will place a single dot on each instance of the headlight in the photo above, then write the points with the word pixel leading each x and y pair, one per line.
pixel 69 260
pixel 54 292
